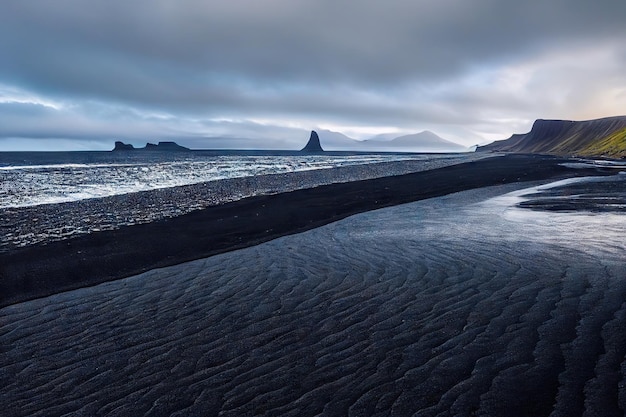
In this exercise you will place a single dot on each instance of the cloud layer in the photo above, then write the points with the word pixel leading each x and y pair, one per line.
pixel 469 70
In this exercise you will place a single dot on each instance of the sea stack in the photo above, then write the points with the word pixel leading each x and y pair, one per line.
pixel 314 144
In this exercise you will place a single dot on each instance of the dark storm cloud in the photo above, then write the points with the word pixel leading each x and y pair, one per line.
pixel 401 63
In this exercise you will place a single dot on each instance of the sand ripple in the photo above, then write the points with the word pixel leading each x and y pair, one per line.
pixel 437 308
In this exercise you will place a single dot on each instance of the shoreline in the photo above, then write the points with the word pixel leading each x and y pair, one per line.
pixel 41 270
pixel 462 304
pixel 42 223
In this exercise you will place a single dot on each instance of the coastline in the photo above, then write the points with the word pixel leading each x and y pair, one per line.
pixel 42 223
pixel 42 270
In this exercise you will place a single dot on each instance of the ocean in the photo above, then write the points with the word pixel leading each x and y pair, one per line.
pixel 34 178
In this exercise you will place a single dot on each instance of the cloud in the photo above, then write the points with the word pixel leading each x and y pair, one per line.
pixel 457 67
pixel 70 127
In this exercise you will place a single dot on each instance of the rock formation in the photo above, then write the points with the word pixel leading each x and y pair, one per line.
pixel 165 146
pixel 161 146
pixel 314 144
pixel 600 137
pixel 121 146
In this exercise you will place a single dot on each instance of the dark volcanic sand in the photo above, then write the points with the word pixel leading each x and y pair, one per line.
pixel 453 306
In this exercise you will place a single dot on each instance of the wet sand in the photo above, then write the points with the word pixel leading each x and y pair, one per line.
pixel 465 304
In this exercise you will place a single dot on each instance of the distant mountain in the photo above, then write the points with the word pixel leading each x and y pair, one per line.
pixel 419 142
pixel 161 146
pixel 599 137
pixel 426 141
pixel 335 141
pixel 384 137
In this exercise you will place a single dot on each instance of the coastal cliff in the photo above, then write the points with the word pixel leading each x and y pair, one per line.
pixel 600 137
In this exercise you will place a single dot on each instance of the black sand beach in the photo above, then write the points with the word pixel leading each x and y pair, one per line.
pixel 441 307
pixel 41 270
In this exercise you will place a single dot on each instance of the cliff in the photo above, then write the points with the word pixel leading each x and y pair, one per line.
pixel 600 137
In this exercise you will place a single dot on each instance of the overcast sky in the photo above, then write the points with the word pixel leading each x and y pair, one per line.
pixel 79 75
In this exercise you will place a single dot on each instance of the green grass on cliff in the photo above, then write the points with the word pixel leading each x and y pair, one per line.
pixel 613 146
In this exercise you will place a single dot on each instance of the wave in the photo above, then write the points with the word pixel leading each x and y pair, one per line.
pixel 52 183
pixel 60 167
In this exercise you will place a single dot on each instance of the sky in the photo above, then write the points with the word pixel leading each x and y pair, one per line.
pixel 78 75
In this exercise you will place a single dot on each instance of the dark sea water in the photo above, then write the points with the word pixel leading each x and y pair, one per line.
pixel 34 178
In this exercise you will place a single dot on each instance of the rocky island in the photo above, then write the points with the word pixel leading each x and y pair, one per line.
pixel 161 146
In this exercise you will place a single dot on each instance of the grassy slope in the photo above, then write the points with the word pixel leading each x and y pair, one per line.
pixel 613 145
